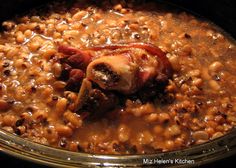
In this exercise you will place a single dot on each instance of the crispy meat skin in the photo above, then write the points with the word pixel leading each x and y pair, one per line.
pixel 117 72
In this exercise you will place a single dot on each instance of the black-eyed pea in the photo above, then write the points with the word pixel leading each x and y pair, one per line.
pixel 20 37
pixel 174 130
pixel 9 120
pixel 123 133
pixel 174 60
pixel 158 129
pixel 200 135
pixel 11 52
pixel 40 115
pixel 20 130
pixel 59 85
pixel 57 69
pixel 61 106
pixel 118 7
pixel 214 85
pixel 50 134
pixel 201 141
pixel 26 115
pixel 205 74
pixel 61 27
pixel 4 105
pixel 33 46
pixel 73 118
pixel 164 117
pixel 47 54
pixel 194 73
pixel 215 67
pixel 231 118
pixel 197 82
pixel 46 92
pixel 28 33
pixel 217 135
pixel 169 144
pixel 79 15
pixel 179 141
pixel 63 130
pixel 152 117
pixel 145 137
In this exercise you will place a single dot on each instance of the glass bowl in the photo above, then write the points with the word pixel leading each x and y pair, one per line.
pixel 196 155
pixel 193 156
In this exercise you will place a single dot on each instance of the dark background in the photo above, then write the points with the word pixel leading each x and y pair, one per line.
pixel 221 12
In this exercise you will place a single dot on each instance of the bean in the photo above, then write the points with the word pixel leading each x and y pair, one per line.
pixel 152 117
pixel 4 105
pixel 28 33
pixel 12 52
pixel 61 106
pixel 215 67
pixel 20 37
pixel 48 53
pixel 217 135
pixel 158 129
pixel 58 35
pixel 34 46
pixel 197 82
pixel 64 130
pixel 145 137
pixel 174 60
pixel 174 130
pixel 50 134
pixel 62 27
pixel 46 92
pixel 123 133
pixel 73 118
pixel 210 130
pixel 205 74
pixel 194 73
pixel 118 7
pixel 57 69
pixel 59 85
pixel 169 144
pixel 8 25
pixel 26 115
pixel 164 117
pixel 231 118
pixel 214 85
pixel 200 135
pixel 40 115
pixel 9 120
pixel 20 130
pixel 79 15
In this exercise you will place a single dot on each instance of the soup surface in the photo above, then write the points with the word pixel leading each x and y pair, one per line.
pixel 116 77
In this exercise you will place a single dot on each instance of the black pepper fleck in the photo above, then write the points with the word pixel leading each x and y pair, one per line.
pixel 116 147
pixel 83 24
pixel 33 89
pixel 54 98
pixel 7 72
pixel 6 64
pixel 80 148
pixel 137 36
pixel 186 35
pixel 217 78
pixel 17 131
pixel 63 142
pixel 20 122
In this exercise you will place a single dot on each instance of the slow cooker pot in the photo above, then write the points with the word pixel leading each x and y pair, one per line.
pixel 221 13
